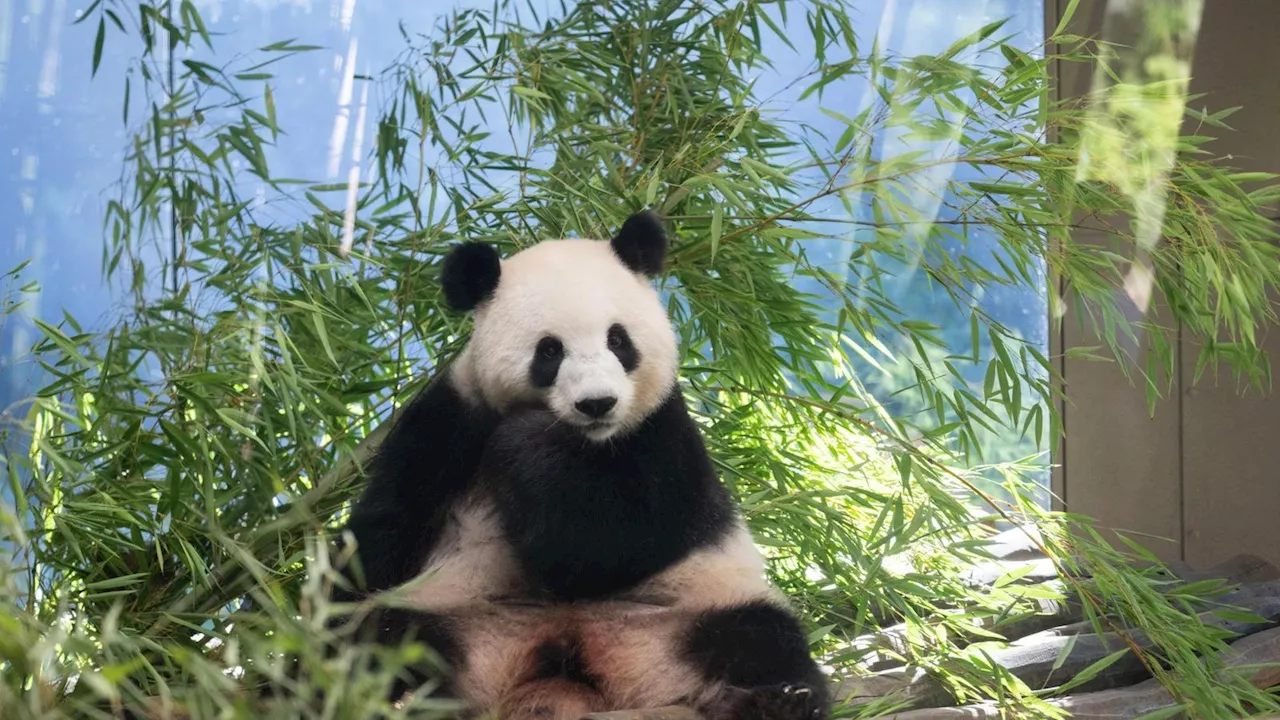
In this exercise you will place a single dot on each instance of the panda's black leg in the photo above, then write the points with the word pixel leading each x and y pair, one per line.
pixel 772 702
pixel 392 626
pixel 760 651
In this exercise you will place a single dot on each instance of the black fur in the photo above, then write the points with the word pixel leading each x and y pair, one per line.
pixel 563 659
pixel 761 651
pixel 393 626
pixel 469 275
pixel 546 362
pixel 422 468
pixel 619 342
pixel 641 243
pixel 772 702
pixel 592 519
pixel 388 625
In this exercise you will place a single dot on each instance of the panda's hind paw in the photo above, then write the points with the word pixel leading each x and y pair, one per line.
pixel 787 701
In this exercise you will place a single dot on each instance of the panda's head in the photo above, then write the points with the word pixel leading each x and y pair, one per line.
pixel 572 325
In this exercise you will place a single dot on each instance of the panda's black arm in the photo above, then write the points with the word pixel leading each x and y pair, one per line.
pixel 591 519
pixel 420 470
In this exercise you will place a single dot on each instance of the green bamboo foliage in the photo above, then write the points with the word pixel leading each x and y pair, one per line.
pixel 181 467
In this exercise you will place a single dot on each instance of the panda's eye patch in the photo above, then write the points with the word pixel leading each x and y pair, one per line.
pixel 550 348
pixel 620 345
pixel 547 357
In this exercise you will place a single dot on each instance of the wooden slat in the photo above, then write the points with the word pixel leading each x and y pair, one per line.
pixel 1261 649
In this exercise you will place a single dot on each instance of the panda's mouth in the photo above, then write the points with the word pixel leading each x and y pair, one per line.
pixel 597 429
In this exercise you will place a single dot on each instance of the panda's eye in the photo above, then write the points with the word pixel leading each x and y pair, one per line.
pixel 621 346
pixel 618 338
pixel 550 348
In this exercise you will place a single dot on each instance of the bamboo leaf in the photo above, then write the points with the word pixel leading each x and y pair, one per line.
pixel 97 45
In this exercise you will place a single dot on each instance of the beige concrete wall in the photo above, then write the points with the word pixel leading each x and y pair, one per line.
pixel 1204 472
pixel 1231 439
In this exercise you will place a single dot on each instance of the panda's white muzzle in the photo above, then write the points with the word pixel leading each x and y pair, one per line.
pixel 592 391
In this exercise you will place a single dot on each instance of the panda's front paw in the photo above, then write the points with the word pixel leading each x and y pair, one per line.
pixel 787 701
pixel 526 462
pixel 527 419
pixel 520 436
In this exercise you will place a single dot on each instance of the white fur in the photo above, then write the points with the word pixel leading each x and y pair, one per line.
pixel 472 564
pixel 730 572
pixel 574 290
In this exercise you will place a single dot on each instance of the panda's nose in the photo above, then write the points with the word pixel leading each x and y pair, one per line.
pixel 596 407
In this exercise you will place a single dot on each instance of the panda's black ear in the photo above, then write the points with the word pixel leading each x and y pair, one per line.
pixel 641 243
pixel 469 275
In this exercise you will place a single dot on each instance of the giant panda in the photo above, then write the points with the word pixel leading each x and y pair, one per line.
pixel 547 508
